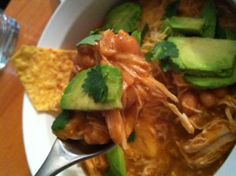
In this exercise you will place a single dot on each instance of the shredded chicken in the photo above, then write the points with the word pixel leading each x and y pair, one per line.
pixel 182 117
pixel 230 117
pixel 115 123
pixel 209 145
pixel 116 50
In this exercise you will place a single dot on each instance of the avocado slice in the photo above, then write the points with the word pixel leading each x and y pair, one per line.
pixel 211 82
pixel 186 25
pixel 116 161
pixel 75 98
pixel 124 17
pixel 204 56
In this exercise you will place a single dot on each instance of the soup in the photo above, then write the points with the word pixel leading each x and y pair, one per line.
pixel 169 123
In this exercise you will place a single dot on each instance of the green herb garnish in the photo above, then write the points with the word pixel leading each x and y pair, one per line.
pixel 90 40
pixel 137 35
pixel 163 51
pixel 61 121
pixel 95 85
pixel 132 137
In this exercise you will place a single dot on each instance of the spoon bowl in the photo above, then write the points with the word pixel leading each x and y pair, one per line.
pixel 64 154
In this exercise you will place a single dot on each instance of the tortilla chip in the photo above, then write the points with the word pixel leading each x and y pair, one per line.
pixel 45 73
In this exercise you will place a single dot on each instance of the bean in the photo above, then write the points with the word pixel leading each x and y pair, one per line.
pixel 220 92
pixel 208 99
pixel 189 100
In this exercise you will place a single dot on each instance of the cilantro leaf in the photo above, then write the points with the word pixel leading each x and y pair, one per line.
pixel 61 121
pixel 137 35
pixel 95 85
pixel 166 65
pixel 162 51
pixel 96 31
pixel 90 40
pixel 132 137
pixel 148 56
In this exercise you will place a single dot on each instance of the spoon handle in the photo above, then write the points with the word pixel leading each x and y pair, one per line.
pixel 58 160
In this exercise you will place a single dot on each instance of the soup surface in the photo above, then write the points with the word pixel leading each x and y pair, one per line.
pixel 173 128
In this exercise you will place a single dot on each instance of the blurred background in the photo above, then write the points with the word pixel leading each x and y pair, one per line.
pixel 4 3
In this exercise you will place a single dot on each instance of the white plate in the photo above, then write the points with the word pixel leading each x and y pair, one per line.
pixel 72 20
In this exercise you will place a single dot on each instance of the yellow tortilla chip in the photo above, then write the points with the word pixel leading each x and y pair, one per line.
pixel 45 73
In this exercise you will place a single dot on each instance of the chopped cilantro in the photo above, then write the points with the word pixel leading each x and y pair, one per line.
pixel 148 56
pixel 96 31
pixel 137 35
pixel 95 85
pixel 61 121
pixel 132 137
pixel 165 64
pixel 162 51
pixel 90 40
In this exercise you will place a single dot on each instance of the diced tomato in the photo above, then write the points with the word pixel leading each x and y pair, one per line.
pixel 122 42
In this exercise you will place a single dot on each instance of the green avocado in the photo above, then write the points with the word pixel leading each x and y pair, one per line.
pixel 75 98
pixel 116 161
pixel 124 17
pixel 212 82
pixel 186 25
pixel 204 56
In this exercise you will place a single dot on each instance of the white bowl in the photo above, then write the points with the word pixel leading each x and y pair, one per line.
pixel 72 21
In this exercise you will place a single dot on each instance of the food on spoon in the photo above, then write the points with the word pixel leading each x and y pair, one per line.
pixel 98 88
pixel 45 74
pixel 88 127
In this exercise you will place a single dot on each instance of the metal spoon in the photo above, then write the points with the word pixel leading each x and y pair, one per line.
pixel 64 154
